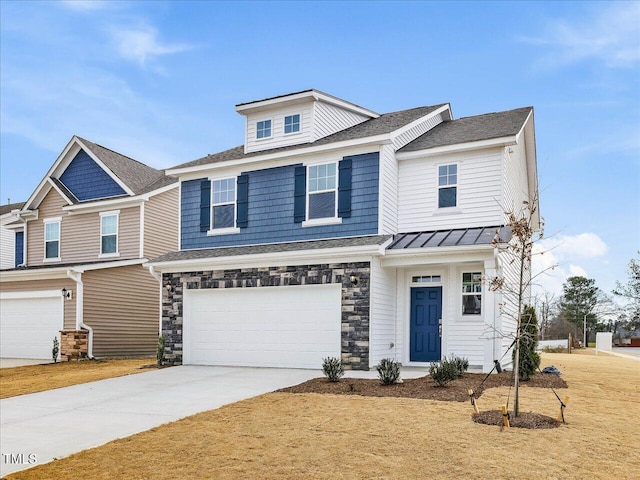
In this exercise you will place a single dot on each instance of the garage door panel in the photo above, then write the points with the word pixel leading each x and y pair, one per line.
pixel 269 326
pixel 28 324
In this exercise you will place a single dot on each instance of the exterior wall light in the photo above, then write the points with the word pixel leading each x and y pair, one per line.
pixel 354 280
pixel 66 294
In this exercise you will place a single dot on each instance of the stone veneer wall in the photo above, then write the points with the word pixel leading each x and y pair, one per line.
pixel 73 344
pixel 355 300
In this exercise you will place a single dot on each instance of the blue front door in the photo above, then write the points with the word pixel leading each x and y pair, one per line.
pixel 426 314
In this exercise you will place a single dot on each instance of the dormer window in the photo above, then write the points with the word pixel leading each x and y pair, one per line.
pixel 263 129
pixel 292 124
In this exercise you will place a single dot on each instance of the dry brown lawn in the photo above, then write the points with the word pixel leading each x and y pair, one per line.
pixel 309 436
pixel 38 378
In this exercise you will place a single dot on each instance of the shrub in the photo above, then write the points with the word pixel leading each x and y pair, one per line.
pixel 461 364
pixel 160 351
pixel 443 372
pixel 529 360
pixel 388 371
pixel 332 369
pixel 55 349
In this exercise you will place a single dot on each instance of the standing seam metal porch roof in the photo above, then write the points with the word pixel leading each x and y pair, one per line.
pixel 450 238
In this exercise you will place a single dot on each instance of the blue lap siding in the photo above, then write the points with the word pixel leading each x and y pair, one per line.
pixel 87 180
pixel 271 203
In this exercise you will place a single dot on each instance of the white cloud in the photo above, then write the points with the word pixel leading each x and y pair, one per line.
pixel 141 44
pixel 609 36
pixel 558 258
pixel 85 5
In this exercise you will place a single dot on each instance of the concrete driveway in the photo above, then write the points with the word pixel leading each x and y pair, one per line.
pixel 40 427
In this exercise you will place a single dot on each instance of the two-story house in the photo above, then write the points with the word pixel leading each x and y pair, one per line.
pixel 79 243
pixel 337 231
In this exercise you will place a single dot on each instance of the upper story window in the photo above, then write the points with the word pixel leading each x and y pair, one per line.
pixel 223 206
pixel 292 123
pixel 447 186
pixel 52 239
pixel 472 293
pixel 109 233
pixel 263 129
pixel 322 191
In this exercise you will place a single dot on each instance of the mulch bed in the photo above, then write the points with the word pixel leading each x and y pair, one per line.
pixel 423 387
pixel 524 420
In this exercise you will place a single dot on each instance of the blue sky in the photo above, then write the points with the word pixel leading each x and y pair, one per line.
pixel 158 81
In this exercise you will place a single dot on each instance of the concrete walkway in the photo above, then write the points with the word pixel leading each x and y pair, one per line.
pixel 40 427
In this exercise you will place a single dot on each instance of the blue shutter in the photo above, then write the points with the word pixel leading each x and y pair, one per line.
pixel 300 194
pixel 344 188
pixel 242 219
pixel 205 205
pixel 19 249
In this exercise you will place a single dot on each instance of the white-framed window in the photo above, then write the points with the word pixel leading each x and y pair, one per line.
pixel 322 191
pixel 447 186
pixel 471 293
pixel 223 204
pixel 426 279
pixel 263 129
pixel 52 239
pixel 292 123
pixel 109 222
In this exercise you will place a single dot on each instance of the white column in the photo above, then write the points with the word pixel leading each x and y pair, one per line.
pixel 493 325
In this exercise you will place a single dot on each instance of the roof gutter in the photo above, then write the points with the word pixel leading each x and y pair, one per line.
pixel 77 277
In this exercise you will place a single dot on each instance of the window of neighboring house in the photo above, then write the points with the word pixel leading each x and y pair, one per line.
pixel 109 233
pixel 447 185
pixel 263 129
pixel 322 191
pixel 292 123
pixel 223 206
pixel 472 293
pixel 52 239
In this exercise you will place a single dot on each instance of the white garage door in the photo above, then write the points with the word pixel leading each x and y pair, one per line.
pixel 28 323
pixel 292 327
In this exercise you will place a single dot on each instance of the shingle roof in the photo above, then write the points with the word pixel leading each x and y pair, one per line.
pixel 450 238
pixel 202 254
pixel 385 123
pixel 137 176
pixel 471 129
pixel 63 188
pixel 10 206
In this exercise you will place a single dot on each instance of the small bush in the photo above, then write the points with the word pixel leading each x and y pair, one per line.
pixel 388 371
pixel 332 369
pixel 160 351
pixel 461 364
pixel 443 372
pixel 55 349
pixel 554 349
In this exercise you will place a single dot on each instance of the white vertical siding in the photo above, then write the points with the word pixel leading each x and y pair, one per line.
pixel 414 132
pixel 388 204
pixel 278 138
pixel 382 314
pixel 7 248
pixel 330 119
pixel 479 192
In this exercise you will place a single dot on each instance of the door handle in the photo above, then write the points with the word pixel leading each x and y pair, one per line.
pixel 440 327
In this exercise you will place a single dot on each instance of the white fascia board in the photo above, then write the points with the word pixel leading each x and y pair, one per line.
pixel 420 120
pixel 426 256
pixel 377 140
pixel 458 147
pixel 113 176
pixel 66 199
pixel 345 105
pixel 99 206
pixel 244 109
pixel 158 191
pixel 61 272
pixel 299 257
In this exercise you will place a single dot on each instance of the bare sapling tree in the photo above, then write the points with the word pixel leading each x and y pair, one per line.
pixel 515 279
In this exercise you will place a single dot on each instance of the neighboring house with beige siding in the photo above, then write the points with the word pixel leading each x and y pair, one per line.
pixel 78 246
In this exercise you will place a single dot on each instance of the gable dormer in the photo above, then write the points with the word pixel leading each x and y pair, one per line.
pixel 297 118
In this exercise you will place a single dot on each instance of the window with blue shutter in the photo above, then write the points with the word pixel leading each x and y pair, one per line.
pixel 205 205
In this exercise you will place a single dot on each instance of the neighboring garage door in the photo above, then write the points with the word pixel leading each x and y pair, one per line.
pixel 292 327
pixel 28 323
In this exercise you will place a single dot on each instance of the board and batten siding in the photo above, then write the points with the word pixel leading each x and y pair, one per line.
pixel 122 306
pixel 80 233
pixel 383 314
pixel 53 284
pixel 278 137
pixel 479 192
pixel 329 119
pixel 161 217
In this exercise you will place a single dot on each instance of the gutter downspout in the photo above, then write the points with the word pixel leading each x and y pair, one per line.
pixel 158 276
pixel 77 277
